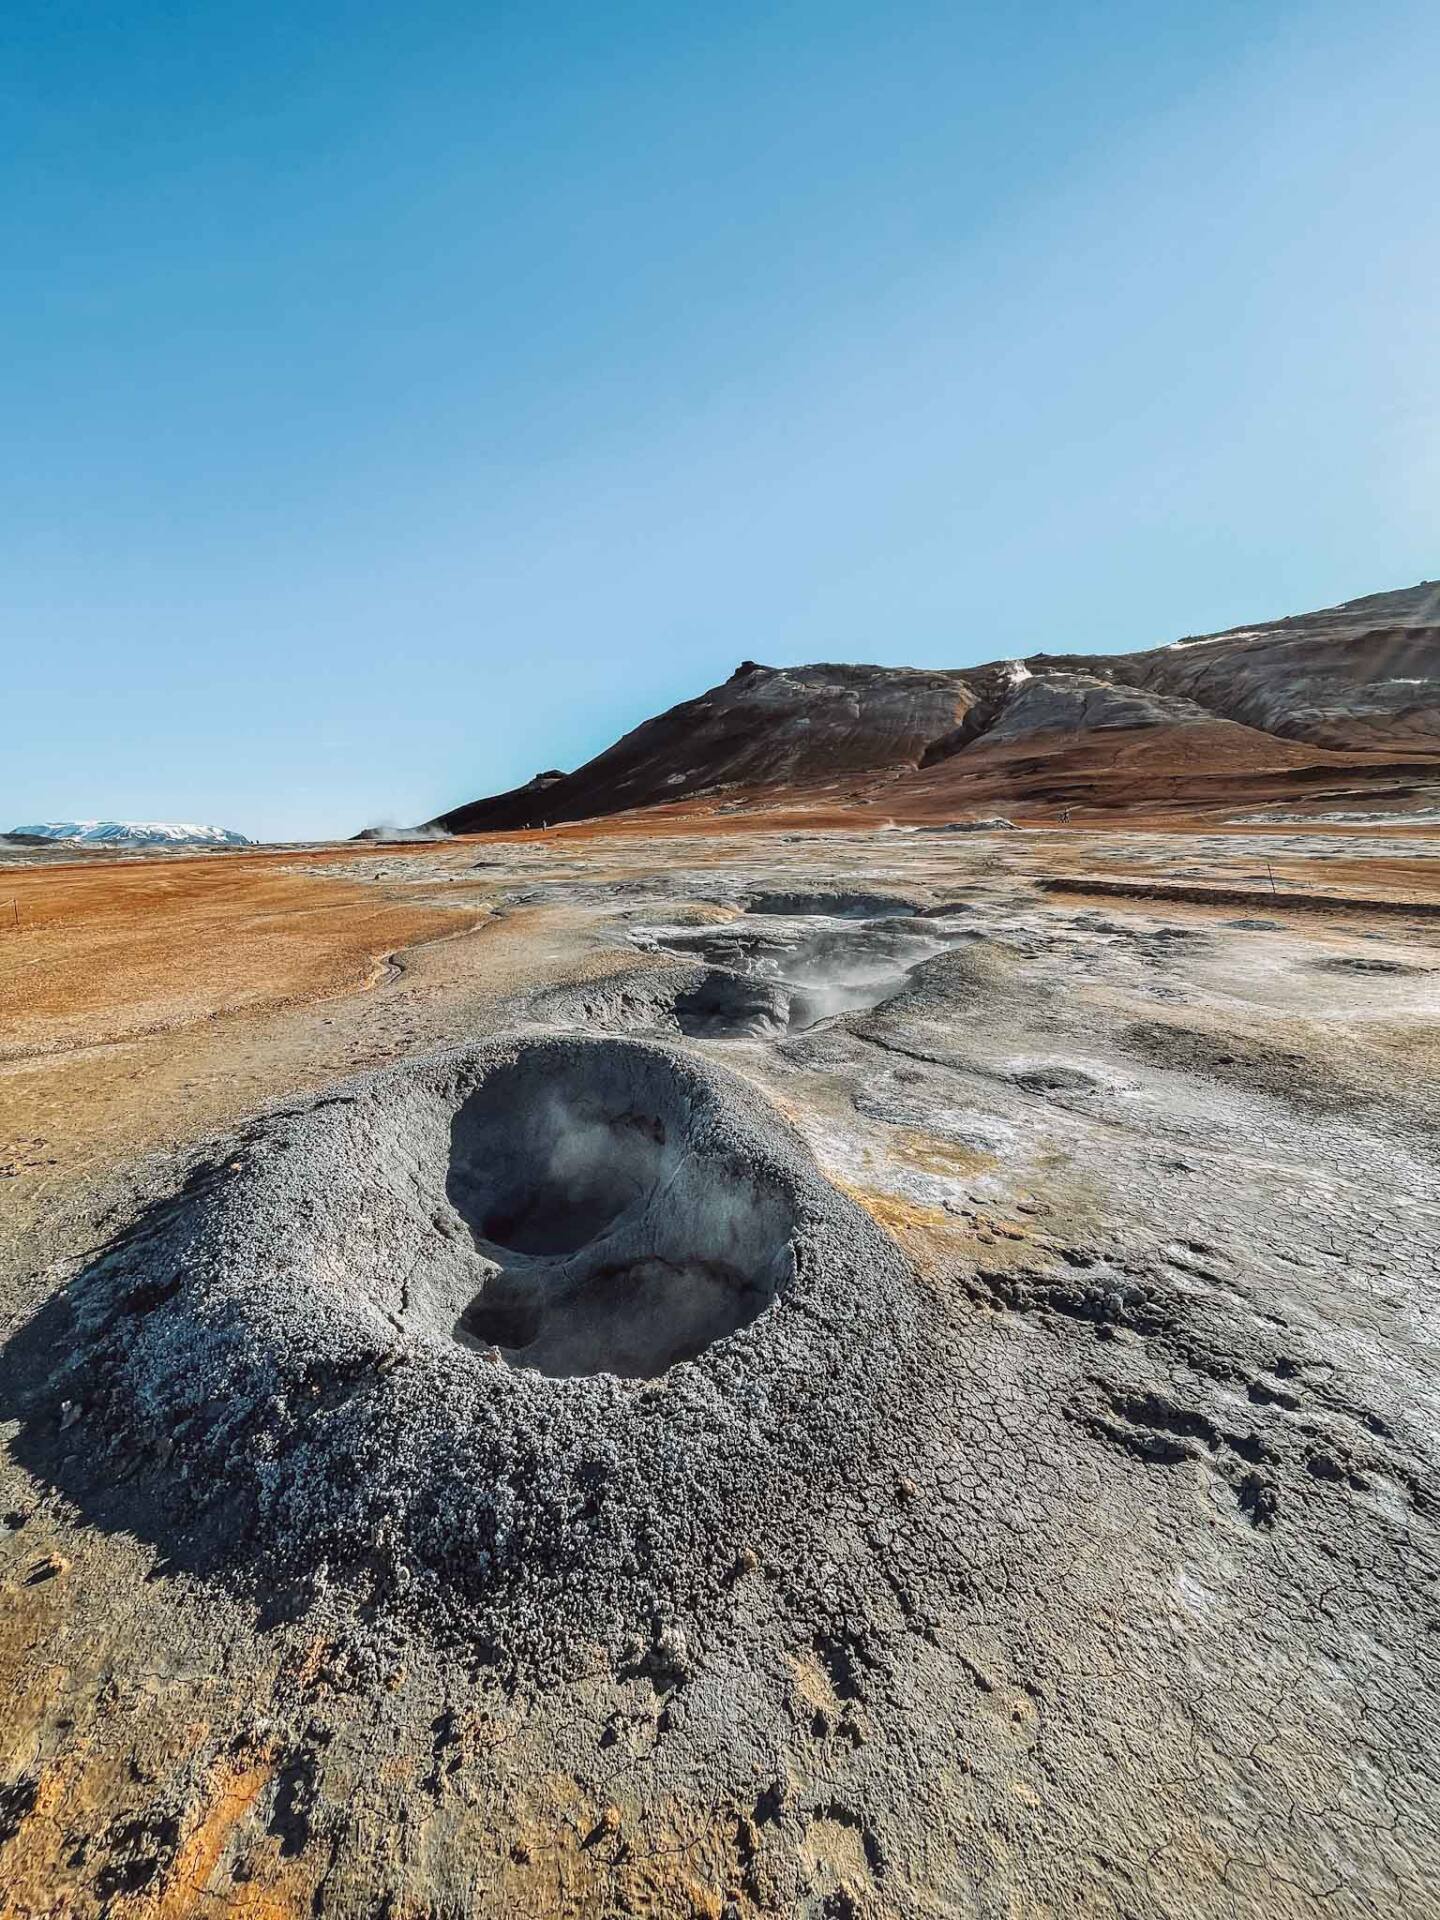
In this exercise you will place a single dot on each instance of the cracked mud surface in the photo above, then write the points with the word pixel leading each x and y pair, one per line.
pixel 1083 1561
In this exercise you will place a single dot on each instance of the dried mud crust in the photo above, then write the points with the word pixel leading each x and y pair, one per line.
pixel 331 1355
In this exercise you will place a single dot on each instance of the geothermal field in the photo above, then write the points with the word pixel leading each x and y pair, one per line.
pixel 847 1327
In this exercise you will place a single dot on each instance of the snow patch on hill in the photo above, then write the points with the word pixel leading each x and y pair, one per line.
pixel 135 833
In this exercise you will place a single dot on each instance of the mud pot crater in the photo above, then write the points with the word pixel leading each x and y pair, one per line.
pixel 614 1249
pixel 526 1341
pixel 858 953
pixel 685 998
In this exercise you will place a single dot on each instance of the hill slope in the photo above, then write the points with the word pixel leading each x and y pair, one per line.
pixel 1322 706
pixel 131 833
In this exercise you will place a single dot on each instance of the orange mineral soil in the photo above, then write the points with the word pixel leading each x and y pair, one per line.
pixel 97 952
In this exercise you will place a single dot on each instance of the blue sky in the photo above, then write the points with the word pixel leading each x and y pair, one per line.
pixel 399 400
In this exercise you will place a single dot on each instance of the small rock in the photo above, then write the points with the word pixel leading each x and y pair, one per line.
pixel 670 1655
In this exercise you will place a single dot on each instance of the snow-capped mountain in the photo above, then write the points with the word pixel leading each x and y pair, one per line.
pixel 134 833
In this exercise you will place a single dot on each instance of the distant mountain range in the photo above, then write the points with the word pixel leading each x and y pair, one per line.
pixel 131 833
pixel 1339 708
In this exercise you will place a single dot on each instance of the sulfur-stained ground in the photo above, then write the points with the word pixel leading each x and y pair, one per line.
pixel 1133 1614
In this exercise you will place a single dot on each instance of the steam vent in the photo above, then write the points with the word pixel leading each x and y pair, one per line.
pixel 529 1340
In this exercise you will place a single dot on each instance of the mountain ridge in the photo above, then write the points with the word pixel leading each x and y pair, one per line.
pixel 136 833
pixel 1342 699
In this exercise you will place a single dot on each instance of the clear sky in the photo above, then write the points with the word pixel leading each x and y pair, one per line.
pixel 401 399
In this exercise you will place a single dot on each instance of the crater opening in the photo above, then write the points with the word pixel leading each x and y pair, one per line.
pixel 724 1005
pixel 633 1318
pixel 546 1171
pixel 816 965
pixel 499 1323
pixel 611 1241
pixel 702 1002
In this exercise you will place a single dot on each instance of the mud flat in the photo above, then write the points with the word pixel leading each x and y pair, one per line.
pixel 701 1372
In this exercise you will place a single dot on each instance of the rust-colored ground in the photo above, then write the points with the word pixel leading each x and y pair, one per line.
pixel 93 952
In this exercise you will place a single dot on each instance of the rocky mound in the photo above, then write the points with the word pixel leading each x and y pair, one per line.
pixel 536 1342
pixel 1337 702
